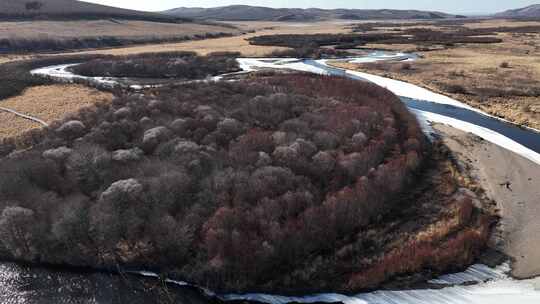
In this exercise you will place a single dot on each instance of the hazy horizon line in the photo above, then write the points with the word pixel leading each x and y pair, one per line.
pixel 471 13
pixel 168 5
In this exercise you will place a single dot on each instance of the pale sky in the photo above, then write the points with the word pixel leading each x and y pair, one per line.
pixel 449 6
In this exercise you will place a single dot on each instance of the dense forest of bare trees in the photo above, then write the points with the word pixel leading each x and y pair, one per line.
pixel 228 185
pixel 181 65
pixel 55 44
pixel 420 36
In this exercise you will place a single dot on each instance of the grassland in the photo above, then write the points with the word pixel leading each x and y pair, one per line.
pixel 12 125
pixel 49 103
pixel 101 28
pixel 70 10
pixel 237 43
pixel 502 79
pixel 54 36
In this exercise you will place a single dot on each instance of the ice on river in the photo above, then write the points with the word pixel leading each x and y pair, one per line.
pixel 495 287
pixel 495 292
pixel 253 64
pixel 425 118
pixel 61 72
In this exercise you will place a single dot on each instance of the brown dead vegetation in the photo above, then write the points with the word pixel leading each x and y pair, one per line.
pixel 12 125
pixel 55 36
pixel 48 103
pixel 237 43
pixel 502 79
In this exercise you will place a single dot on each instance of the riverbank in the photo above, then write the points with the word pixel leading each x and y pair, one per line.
pixel 511 182
pixel 500 79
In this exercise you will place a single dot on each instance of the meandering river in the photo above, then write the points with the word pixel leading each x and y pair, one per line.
pixel 41 285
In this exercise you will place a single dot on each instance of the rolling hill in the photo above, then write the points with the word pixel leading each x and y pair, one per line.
pixel 256 13
pixel 531 11
pixel 62 25
pixel 70 9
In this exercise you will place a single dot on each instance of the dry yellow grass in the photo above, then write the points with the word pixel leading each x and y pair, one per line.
pixel 9 58
pixel 98 28
pixel 48 103
pixel 12 125
pixel 501 22
pixel 52 102
pixel 202 47
pixel 138 28
pixel 234 44
pixel 478 66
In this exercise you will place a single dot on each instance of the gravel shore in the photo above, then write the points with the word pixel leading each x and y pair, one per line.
pixel 513 182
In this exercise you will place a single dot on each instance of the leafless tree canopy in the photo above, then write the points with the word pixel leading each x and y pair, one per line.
pixel 229 185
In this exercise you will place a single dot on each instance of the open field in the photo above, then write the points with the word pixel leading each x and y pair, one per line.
pixel 501 22
pixel 54 36
pixel 48 103
pixel 70 10
pixel 5 59
pixel 9 58
pixel 12 125
pixel 502 79
pixel 236 43
pixel 102 28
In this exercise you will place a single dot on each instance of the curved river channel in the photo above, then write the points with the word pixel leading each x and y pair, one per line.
pixel 493 285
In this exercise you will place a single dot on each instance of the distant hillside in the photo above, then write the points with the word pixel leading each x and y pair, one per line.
pixel 531 11
pixel 70 9
pixel 253 13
